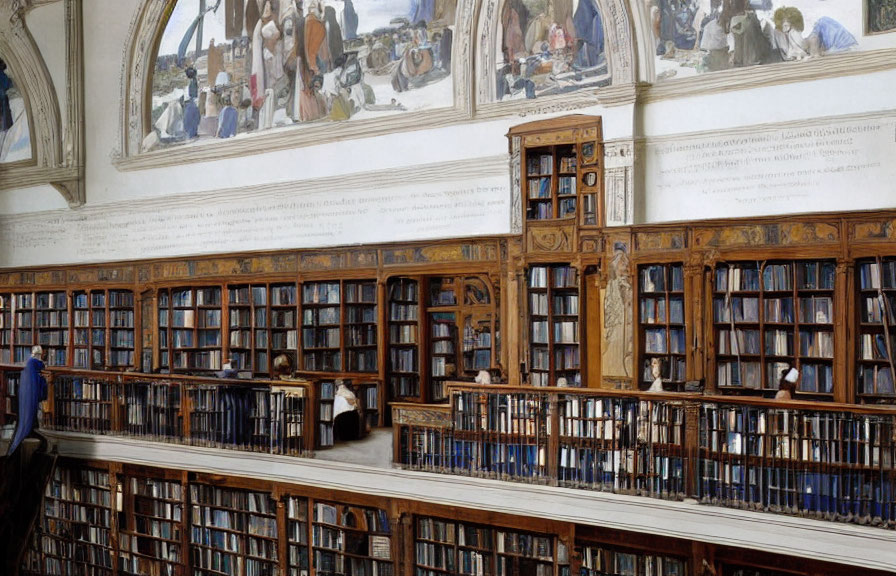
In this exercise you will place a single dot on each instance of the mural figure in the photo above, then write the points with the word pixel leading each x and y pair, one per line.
pixel 15 135
pixel 550 47
pixel 286 62
pixel 617 340
pixel 696 36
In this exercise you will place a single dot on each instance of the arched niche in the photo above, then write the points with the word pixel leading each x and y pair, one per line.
pixel 153 71
pixel 15 132
pixel 56 150
pixel 552 50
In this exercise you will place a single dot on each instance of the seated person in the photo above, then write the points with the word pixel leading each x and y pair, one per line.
pixel 787 384
pixel 348 414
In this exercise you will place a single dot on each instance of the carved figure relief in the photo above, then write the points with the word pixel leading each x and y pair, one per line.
pixel 617 342
pixel 226 68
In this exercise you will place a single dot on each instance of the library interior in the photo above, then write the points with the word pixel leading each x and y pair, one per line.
pixel 447 287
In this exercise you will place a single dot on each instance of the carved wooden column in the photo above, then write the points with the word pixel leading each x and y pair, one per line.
pixel 844 359
pixel 695 308
pixel 512 310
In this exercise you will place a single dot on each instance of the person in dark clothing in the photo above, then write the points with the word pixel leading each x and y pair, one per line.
pixel 5 110
pixel 32 391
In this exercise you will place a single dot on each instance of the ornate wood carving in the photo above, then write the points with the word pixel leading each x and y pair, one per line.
pixel 768 235
pixel 89 276
pixel 339 261
pixel 516 194
pixel 429 417
pixel 557 238
pixel 660 241
pixel 874 231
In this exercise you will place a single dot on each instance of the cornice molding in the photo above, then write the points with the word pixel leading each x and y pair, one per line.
pixel 861 546
pixel 57 149
pixel 762 76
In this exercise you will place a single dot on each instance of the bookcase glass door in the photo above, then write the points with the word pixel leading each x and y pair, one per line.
pixel 51 310
pixel 551 180
pixel 403 371
pixel 150 539
pixel 190 329
pixel 553 305
pixel 771 316
pixel 661 325
pixel 876 338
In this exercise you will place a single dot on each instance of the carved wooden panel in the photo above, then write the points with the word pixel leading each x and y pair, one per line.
pixel 339 261
pixel 50 278
pixel 592 244
pixel 768 235
pixel 557 238
pixel 123 274
pixel 429 417
pixel 881 230
pixel 661 240
pixel 441 253
pixel 560 136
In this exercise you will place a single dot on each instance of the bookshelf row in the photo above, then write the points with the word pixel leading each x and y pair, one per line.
pixel 417 332
pixel 92 329
pixel 830 463
pixel 123 520
pixel 765 318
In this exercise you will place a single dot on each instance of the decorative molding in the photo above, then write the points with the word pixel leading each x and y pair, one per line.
pixel 829 66
pixel 57 150
pixel 516 187
pixel 754 128
pixel 619 182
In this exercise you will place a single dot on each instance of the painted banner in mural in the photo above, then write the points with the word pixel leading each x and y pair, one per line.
pixel 550 47
pixel 226 68
pixel 697 36
pixel 15 135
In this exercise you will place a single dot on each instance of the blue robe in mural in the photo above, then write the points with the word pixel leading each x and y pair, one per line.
pixel 590 30
pixel 227 121
pixel 422 10
pixel 32 390
pixel 5 110
pixel 832 35
pixel 350 20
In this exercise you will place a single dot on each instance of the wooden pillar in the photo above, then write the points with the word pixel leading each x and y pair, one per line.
pixel 695 310
pixel 844 358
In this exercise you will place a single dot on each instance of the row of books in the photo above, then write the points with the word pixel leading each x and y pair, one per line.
pixel 656 341
pixel 321 292
pixel 877 275
pixel 561 277
pixel 879 308
pixel 602 560
pixel 656 278
pixel 540 164
pixel 653 311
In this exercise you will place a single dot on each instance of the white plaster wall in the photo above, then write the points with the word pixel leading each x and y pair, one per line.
pixel 47 26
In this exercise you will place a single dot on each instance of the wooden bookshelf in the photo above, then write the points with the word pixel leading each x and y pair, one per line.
pixel 326 395
pixel 6 328
pixel 233 532
pixel 611 561
pixel 876 334
pixel 52 322
pixel 403 371
pixel 84 404
pixel 297 531
pixel 261 326
pixel 661 324
pixel 150 526
pixel 103 329
pixel 561 165
pixel 771 316
pixel 24 336
pixel 339 326
pixel 191 319
pixel 10 382
pixel 153 409
pixel 554 332
pixel 350 540
pixel 77 525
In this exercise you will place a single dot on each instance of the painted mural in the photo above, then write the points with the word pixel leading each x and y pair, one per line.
pixel 550 47
pixel 881 16
pixel 697 36
pixel 15 135
pixel 227 68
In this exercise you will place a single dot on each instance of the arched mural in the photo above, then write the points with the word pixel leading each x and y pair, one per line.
pixel 697 36
pixel 226 68
pixel 15 135
pixel 547 47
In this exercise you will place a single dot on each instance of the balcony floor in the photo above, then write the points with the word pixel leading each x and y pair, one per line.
pixel 373 450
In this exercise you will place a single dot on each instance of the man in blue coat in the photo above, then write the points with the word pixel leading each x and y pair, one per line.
pixel 32 391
